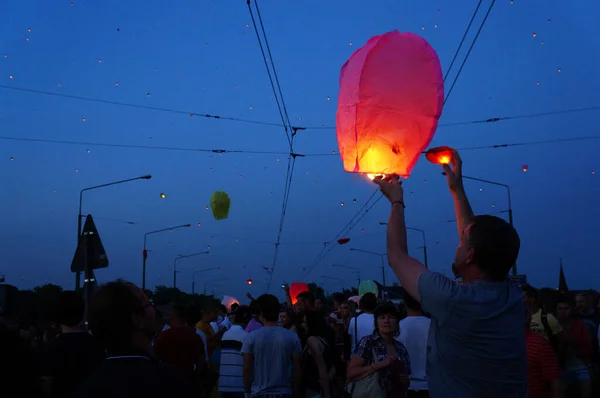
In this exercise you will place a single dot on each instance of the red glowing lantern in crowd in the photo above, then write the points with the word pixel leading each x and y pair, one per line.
pixel 390 101
pixel 295 289
pixel 228 301
pixel 440 155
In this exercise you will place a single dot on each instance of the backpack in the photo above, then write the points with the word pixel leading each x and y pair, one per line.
pixel 554 341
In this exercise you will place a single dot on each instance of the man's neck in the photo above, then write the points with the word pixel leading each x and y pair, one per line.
pixel 410 312
pixel 71 329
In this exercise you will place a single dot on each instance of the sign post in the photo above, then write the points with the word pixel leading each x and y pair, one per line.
pixel 90 255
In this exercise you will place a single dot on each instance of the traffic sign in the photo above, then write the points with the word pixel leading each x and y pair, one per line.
pixel 90 240
pixel 520 279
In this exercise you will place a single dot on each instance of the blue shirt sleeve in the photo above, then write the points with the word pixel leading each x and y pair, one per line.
pixel 439 294
pixel 248 346
pixel 297 345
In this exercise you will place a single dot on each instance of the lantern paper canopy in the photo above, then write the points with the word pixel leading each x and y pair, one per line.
pixel 220 203
pixel 295 289
pixel 368 287
pixel 390 100
pixel 440 155
pixel 228 301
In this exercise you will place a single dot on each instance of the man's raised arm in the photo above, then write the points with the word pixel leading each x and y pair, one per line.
pixel 407 269
pixel 462 207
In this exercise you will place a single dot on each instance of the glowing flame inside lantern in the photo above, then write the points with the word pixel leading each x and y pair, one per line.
pixel 373 176
pixel 440 155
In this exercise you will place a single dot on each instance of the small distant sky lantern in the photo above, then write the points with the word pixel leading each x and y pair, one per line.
pixel 525 168
pixel 295 289
pixel 343 241
pixel 220 203
pixel 249 281
pixel 390 100
pixel 440 155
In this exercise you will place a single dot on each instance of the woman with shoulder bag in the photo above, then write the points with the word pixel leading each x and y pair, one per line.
pixel 380 365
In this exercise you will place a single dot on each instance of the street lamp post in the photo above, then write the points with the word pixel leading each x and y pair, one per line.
pixel 334 279
pixel 510 213
pixel 424 247
pixel 199 272
pixel 80 216
pixel 175 265
pixel 424 244
pixel 357 270
pixel 145 252
pixel 381 255
pixel 214 280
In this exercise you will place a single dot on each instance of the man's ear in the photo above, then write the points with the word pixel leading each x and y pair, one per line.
pixel 471 257
pixel 137 321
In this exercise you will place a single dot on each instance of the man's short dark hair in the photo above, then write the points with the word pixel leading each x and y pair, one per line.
pixel 193 315
pixel 410 301
pixel 70 307
pixel 254 308
pixel 338 298
pixel 496 244
pixel 368 302
pixel 234 306
pixel 269 307
pixel 242 315
pixel 308 296
pixel 530 291
pixel 564 300
pixel 179 312
pixel 111 313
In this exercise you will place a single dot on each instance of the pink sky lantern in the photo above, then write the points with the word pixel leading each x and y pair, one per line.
pixel 390 101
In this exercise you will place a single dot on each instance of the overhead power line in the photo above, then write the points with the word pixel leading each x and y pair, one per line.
pixel 129 105
pixel 278 153
pixel 463 39
pixel 131 146
pixel 290 131
pixel 469 51
pixel 322 127
pixel 494 119
pixel 332 244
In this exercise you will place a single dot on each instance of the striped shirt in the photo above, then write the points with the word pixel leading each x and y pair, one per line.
pixel 542 365
pixel 232 362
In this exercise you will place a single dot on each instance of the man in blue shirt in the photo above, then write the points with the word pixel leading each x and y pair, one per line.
pixel 269 353
pixel 476 345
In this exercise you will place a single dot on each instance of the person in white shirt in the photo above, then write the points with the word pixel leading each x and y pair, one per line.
pixel 363 324
pixel 231 383
pixel 414 332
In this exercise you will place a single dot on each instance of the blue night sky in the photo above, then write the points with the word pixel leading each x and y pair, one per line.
pixel 204 57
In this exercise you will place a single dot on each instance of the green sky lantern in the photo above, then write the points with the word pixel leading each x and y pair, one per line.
pixel 220 203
